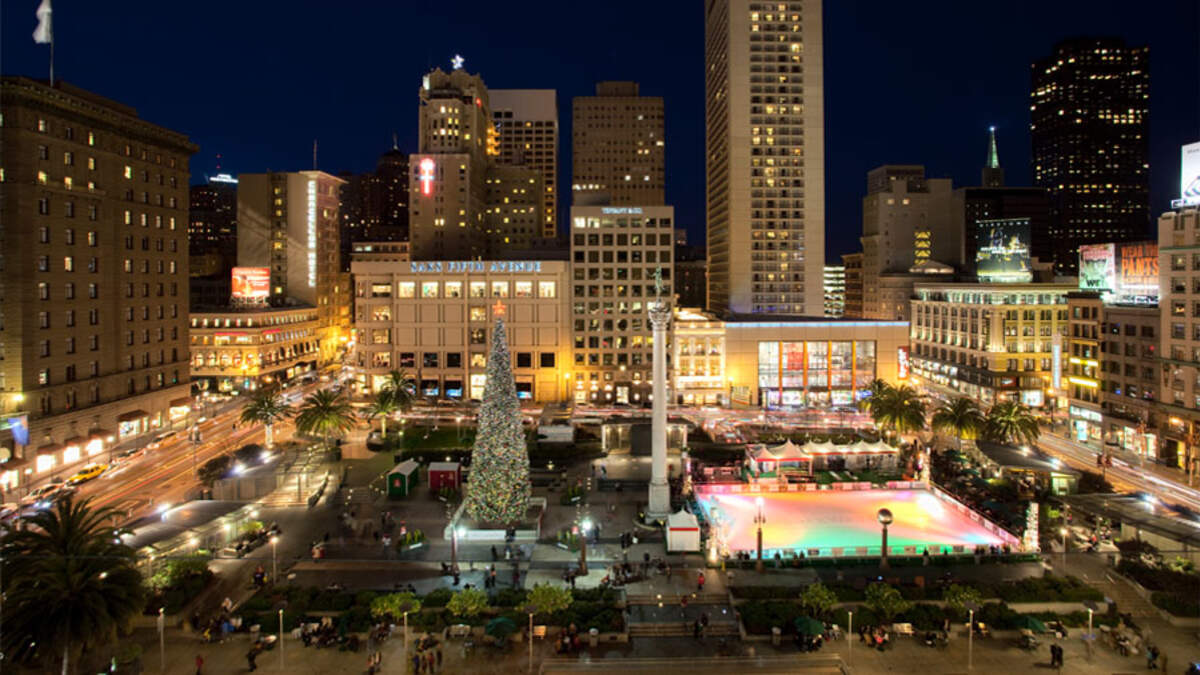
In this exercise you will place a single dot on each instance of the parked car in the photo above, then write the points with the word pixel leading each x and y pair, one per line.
pixel 89 472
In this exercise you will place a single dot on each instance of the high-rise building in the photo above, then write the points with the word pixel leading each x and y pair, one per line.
pixel 1179 355
pixel 288 222
pixel 618 152
pixel 766 157
pixel 1090 109
pixel 93 277
pixel 691 273
pixel 514 209
pixel 527 122
pixel 835 290
pixel 615 251
pixel 374 206
pixel 212 217
pixel 447 178
pixel 907 222
pixel 852 262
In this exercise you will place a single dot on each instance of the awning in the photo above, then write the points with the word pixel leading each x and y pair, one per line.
pixel 132 415
pixel 102 434
pixel 49 448
pixel 180 402
pixel 74 440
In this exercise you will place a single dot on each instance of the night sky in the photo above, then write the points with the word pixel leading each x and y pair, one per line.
pixel 256 82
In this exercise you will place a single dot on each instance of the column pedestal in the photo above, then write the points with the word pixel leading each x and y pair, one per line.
pixel 660 492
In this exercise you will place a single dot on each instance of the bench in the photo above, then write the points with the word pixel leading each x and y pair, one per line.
pixel 539 632
pixel 902 628
pixel 460 630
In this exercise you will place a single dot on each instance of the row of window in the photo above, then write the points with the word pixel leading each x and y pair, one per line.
pixel 451 360
pixel 454 289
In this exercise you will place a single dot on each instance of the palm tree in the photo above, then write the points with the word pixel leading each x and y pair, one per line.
pixel 325 413
pixel 961 418
pixel 382 406
pixel 1011 422
pixel 403 387
pixel 899 409
pixel 265 407
pixel 878 390
pixel 68 585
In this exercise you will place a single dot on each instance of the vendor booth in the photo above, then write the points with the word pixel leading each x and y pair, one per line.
pixel 402 479
pixel 445 475
pixel 683 532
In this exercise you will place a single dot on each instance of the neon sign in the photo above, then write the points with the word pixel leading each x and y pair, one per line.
pixel 902 365
pixel 426 176
pixel 311 222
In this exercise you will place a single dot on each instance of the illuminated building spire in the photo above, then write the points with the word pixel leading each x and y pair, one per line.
pixel 993 175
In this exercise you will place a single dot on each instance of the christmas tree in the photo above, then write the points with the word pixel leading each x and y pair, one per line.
pixel 498 491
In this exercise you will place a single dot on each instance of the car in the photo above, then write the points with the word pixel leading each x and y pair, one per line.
pixel 157 442
pixel 40 494
pixel 89 472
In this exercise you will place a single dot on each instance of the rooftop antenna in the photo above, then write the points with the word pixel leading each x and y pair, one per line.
pixel 395 144
pixel 314 154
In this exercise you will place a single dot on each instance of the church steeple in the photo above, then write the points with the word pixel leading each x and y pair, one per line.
pixel 993 175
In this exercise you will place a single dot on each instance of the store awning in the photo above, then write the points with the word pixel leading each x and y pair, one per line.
pixel 102 434
pixel 74 440
pixel 132 415
pixel 49 448
pixel 180 402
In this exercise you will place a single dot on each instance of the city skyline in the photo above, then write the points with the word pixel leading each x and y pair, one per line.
pixel 943 125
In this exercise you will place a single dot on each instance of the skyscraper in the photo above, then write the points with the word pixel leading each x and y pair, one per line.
pixel 93 277
pixel 447 178
pixel 212 218
pixel 765 157
pixel 288 222
pixel 527 122
pixel 617 147
pixel 1089 109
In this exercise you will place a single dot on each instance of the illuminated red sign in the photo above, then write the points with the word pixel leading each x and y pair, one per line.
pixel 426 176
pixel 251 283
pixel 902 363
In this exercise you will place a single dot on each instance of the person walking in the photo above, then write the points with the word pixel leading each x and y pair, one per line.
pixel 199 665
pixel 1151 658
pixel 429 660
pixel 700 583
pixel 439 658
pixel 416 659
pixel 250 657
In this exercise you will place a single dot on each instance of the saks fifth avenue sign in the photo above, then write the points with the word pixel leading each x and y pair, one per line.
pixel 475 266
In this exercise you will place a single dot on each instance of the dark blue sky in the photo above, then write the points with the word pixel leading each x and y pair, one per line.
pixel 257 81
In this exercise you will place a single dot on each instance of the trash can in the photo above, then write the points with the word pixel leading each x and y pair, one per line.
pixel 593 637
pixel 776 636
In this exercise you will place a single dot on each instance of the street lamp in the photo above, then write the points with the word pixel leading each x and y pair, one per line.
pixel 759 519
pixel 971 607
pixel 281 639
pixel 531 639
pixel 1063 532
pixel 849 633
pixel 583 535
pixel 274 558
pixel 885 518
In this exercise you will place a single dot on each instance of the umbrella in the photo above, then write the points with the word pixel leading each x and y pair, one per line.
pixel 1032 623
pixel 806 625
pixel 500 627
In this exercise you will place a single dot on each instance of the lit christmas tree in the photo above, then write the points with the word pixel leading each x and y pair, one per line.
pixel 498 491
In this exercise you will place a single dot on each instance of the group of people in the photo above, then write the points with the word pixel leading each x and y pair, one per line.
pixel 569 642
pixel 876 637
pixel 428 656
pixel 323 634
pixel 621 574
pixel 700 626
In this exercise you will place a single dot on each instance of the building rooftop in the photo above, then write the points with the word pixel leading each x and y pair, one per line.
pixel 1136 511
pixel 1012 457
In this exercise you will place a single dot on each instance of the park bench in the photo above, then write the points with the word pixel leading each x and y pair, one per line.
pixel 460 630
pixel 902 628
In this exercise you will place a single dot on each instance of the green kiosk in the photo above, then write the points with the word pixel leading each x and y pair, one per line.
pixel 402 479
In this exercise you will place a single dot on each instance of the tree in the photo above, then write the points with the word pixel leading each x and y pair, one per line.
pixel 393 606
pixel 960 418
pixel 325 413
pixel 546 599
pixel 878 389
pixel 68 584
pixel 403 387
pixel 382 406
pixel 499 489
pixel 1012 422
pixel 957 597
pixel 886 602
pixel 818 599
pixel 899 409
pixel 467 603
pixel 265 407
pixel 214 469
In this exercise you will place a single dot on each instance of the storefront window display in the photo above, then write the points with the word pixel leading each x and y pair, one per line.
pixel 814 373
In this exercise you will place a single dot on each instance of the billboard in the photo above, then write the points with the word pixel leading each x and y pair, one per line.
pixel 1097 267
pixel 1125 273
pixel 902 365
pixel 1002 250
pixel 1189 175
pixel 251 283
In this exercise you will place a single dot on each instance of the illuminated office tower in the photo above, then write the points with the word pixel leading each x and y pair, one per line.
pixel 765 157
pixel 527 122
pixel 617 147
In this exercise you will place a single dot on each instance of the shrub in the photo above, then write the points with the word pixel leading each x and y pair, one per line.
pixel 438 597
pixel 886 601
pixel 604 595
pixel 759 616
pixel 467 603
pixel 509 597
pixel 1177 604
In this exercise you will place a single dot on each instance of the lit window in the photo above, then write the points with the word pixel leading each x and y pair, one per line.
pixel 546 289
pixel 406 289
pixel 429 289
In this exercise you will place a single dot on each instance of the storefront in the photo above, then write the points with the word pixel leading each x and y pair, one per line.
pixel 132 423
pixel 1086 425
pixel 815 373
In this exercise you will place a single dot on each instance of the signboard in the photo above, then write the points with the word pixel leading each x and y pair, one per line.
pixel 1002 250
pixel 1097 267
pixel 1189 176
pixel 902 364
pixel 1125 273
pixel 477 266
pixel 251 283
pixel 1056 362
pixel 425 176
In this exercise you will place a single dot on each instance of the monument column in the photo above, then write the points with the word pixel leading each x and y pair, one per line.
pixel 660 492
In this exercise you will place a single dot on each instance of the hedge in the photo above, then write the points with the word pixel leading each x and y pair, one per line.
pixel 1172 591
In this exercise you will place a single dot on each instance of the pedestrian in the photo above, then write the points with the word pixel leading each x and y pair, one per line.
pixel 696 629
pixel 417 662
pixel 250 656
pixel 516 575
pixel 429 660
pixel 495 556
pixel 572 582
pixel 700 583
pixel 199 664
pixel 1151 658
pixel 439 659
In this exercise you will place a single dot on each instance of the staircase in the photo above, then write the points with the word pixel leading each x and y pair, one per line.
pixel 673 599
pixel 1127 599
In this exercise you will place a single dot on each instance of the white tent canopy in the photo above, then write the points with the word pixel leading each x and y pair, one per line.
pixel 683 532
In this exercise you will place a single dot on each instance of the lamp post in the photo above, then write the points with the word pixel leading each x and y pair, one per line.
pixel 274 560
pixel 885 518
pixel 759 519
pixel 850 636
pixel 583 535
pixel 406 636
pixel 531 641
pixel 1063 532
pixel 971 607
pixel 1087 639
pixel 281 639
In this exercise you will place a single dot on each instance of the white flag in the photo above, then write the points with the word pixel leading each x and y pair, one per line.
pixel 43 33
